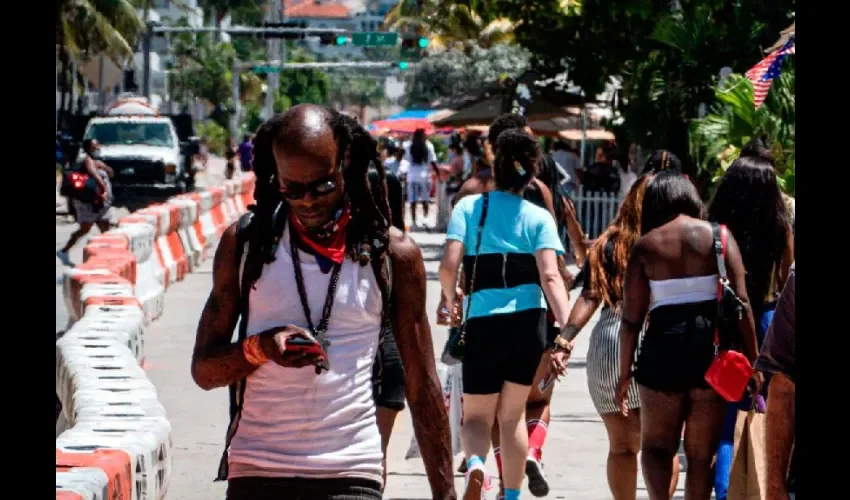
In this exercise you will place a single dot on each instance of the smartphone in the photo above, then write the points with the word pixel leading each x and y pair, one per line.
pixel 305 346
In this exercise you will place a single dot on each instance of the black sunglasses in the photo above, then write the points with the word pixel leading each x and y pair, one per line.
pixel 318 188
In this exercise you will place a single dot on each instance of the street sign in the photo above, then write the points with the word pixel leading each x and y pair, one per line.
pixel 374 39
pixel 264 70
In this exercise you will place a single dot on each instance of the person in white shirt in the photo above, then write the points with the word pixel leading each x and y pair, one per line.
pixel 422 161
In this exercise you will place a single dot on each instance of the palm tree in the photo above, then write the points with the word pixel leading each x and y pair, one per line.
pixel 450 23
pixel 717 138
pixel 87 27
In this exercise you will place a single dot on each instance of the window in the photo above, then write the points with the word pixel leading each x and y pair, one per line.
pixel 131 133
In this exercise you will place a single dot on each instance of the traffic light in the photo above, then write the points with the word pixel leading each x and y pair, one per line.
pixel 414 47
pixel 333 39
pixel 402 65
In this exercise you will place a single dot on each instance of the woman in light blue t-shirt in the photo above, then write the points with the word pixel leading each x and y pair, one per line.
pixel 511 246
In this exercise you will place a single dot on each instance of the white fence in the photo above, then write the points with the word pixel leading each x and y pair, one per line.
pixel 595 211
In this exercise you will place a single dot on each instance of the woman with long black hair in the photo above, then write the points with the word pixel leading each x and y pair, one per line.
pixel 671 281
pixel 749 202
pixel 603 286
pixel 423 160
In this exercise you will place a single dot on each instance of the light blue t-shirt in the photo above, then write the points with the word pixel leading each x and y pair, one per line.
pixel 513 225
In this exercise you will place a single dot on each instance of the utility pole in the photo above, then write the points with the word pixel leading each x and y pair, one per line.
pixel 146 51
pixel 272 51
pixel 234 116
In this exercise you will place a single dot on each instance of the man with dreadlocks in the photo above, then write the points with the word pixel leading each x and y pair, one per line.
pixel 318 240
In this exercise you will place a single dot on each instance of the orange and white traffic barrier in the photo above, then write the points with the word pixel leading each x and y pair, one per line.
pixel 249 181
pixel 196 232
pixel 164 274
pixel 208 225
pixel 114 438
pixel 80 284
pixel 229 209
pixel 188 216
pixel 219 217
pixel 149 289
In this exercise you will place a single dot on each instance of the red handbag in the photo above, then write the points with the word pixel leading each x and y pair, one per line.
pixel 730 371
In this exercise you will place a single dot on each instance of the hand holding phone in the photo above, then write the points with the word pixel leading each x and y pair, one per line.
pixel 291 347
pixel 305 346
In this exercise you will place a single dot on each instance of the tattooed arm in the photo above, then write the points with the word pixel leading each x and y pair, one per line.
pixel 422 387
pixel 216 361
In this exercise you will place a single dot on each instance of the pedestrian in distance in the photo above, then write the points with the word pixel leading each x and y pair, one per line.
pixel 316 273
pixel 91 200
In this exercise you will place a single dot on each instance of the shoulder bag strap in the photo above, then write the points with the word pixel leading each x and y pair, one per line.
pixel 718 232
pixel 484 206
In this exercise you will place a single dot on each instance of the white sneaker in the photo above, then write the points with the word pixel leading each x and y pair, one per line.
pixel 538 485
pixel 64 258
pixel 477 483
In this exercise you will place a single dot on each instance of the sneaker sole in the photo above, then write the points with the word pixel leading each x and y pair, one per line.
pixel 475 485
pixel 537 484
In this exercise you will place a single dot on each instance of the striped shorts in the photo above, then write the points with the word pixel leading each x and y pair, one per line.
pixel 603 364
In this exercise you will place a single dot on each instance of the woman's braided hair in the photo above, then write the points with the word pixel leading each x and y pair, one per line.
pixel 367 233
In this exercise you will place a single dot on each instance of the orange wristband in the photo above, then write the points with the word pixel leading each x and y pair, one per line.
pixel 253 352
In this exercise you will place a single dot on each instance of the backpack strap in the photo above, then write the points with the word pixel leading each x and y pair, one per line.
pixel 237 390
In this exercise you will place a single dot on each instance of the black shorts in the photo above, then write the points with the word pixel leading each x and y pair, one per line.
pixel 297 488
pixel 503 348
pixel 388 375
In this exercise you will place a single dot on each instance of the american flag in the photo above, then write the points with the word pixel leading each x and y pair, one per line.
pixel 763 73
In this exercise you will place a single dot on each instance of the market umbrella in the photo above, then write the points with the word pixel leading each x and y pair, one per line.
pixel 544 106
pixel 405 125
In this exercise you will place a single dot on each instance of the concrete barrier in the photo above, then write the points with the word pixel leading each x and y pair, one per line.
pixel 113 437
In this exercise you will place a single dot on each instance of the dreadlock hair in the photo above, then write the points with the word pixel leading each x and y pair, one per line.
pixel 368 229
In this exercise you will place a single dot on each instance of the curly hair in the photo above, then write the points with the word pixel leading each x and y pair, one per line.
pixel 606 278
pixel 748 201
pixel 367 235
pixel 502 123
pixel 517 159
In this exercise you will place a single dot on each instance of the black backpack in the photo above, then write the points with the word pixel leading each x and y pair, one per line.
pixel 77 185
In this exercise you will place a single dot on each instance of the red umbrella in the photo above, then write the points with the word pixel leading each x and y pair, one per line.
pixel 405 125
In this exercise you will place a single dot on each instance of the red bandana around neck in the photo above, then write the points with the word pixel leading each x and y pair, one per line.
pixel 334 248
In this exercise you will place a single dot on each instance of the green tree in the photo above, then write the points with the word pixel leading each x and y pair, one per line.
pixel 451 24
pixel 453 72
pixel 298 86
pixel 89 27
pixel 667 54
pixel 732 121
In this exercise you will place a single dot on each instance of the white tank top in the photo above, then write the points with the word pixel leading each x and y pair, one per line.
pixel 295 423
